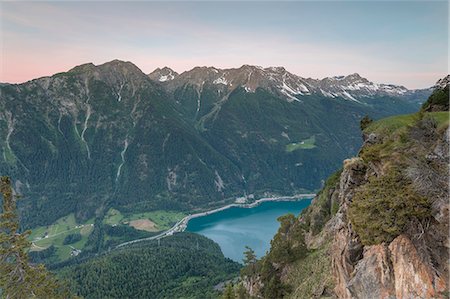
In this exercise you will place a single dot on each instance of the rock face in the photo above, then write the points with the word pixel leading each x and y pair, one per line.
pixel 403 268
pixel 413 265
pixel 394 271
pixel 414 277
pixel 253 286
pixel 346 248
pixel 371 275
pixel 442 83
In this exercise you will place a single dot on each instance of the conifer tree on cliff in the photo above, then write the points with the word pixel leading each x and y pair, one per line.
pixel 18 277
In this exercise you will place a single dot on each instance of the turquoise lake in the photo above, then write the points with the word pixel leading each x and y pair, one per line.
pixel 235 228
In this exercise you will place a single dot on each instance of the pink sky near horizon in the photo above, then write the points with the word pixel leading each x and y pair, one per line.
pixel 30 69
pixel 41 39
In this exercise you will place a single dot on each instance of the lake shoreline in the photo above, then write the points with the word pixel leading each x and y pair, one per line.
pixel 252 204
pixel 181 225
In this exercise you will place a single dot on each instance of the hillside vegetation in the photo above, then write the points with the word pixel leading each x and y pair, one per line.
pixel 182 266
pixel 387 206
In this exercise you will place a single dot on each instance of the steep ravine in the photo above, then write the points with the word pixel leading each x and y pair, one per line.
pixel 378 229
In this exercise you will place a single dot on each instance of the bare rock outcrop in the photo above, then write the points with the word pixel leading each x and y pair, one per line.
pixel 373 274
pixel 414 277
pixel 414 264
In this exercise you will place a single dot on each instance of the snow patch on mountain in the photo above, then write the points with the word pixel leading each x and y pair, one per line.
pixel 289 92
pixel 349 96
pixel 163 75
pixel 221 80
pixel 284 84
pixel 164 78
pixel 327 94
pixel 248 89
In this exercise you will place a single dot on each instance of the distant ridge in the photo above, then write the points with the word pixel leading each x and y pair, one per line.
pixel 352 87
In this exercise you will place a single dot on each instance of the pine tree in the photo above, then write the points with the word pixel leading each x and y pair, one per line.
pixel 274 289
pixel 229 292
pixel 241 292
pixel 249 262
pixel 365 122
pixel 250 256
pixel 18 277
pixel 249 271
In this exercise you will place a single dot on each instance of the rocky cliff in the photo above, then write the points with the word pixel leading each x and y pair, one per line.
pixel 379 227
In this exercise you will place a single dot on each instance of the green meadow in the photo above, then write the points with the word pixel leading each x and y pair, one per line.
pixel 305 144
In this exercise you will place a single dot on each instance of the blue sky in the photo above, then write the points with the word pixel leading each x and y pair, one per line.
pixel 403 42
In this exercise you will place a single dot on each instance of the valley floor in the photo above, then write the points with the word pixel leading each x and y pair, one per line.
pixel 181 225
pixel 124 229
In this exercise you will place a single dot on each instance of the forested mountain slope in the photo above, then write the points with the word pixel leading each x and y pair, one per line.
pixel 182 266
pixel 105 136
pixel 379 227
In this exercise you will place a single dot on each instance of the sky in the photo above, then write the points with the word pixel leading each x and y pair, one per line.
pixel 403 42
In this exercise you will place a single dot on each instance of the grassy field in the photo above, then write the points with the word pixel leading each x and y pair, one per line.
pixel 442 118
pixel 396 130
pixel 113 217
pixel 394 123
pixel 162 219
pixel 305 144
pixel 45 236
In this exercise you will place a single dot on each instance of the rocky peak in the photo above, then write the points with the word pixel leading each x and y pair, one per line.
pixel 274 79
pixel 122 78
pixel 276 69
pixel 354 87
pixel 125 67
pixel 355 77
pixel 113 72
pixel 442 83
pixel 162 75
pixel 249 67
pixel 352 78
pixel 82 68
pixel 287 85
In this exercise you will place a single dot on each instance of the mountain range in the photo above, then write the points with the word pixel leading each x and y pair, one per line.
pixel 283 83
pixel 104 136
